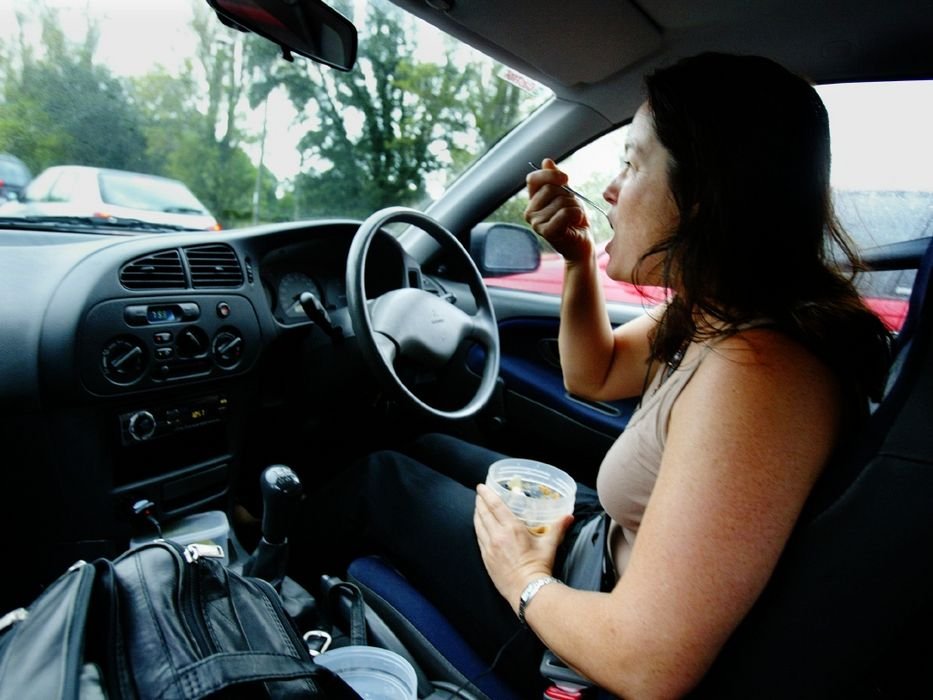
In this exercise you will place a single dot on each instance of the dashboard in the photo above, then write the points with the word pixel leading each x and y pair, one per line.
pixel 133 368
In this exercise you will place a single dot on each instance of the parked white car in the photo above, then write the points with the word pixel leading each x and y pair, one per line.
pixel 106 194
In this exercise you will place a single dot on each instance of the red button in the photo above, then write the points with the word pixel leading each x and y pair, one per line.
pixel 223 309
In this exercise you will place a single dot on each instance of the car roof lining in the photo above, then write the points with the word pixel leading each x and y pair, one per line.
pixel 490 26
pixel 827 42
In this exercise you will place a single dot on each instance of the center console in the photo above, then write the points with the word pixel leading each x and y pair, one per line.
pixel 162 368
pixel 138 343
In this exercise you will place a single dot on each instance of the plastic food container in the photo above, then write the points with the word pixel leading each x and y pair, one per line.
pixel 374 673
pixel 537 493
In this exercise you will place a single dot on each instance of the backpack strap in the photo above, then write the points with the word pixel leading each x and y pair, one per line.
pixel 220 671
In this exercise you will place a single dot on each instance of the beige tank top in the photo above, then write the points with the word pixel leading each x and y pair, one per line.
pixel 630 468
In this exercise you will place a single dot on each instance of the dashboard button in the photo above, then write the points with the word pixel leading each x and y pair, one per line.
pixel 162 338
pixel 135 315
pixel 223 309
pixel 189 311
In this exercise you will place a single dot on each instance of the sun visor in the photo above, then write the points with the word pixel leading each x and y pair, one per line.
pixel 569 43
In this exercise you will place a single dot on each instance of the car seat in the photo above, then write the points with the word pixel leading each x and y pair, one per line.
pixel 848 610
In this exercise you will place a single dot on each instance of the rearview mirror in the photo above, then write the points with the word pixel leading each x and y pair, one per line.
pixel 306 27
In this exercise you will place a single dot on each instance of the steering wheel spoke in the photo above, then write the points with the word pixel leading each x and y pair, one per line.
pixel 387 348
pixel 417 326
pixel 483 330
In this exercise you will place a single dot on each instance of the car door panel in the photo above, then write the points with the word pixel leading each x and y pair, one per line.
pixel 540 418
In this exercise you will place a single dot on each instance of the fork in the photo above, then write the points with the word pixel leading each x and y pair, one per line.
pixel 580 195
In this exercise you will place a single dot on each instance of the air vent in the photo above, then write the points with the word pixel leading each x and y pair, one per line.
pixel 161 270
pixel 213 265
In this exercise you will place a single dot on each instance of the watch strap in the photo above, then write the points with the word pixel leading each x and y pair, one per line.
pixel 531 590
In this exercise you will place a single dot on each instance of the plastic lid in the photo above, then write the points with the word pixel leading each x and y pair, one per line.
pixel 536 492
pixel 374 673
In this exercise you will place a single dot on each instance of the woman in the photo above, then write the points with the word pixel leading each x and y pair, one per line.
pixel 763 359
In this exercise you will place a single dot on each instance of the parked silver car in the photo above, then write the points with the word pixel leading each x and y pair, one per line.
pixel 101 193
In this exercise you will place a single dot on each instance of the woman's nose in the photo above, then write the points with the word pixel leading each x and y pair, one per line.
pixel 611 192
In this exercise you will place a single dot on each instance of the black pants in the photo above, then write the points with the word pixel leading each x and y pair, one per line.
pixel 416 509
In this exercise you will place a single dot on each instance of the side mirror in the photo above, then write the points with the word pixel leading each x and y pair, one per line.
pixel 306 27
pixel 504 249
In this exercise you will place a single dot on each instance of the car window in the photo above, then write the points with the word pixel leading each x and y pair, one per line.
pixel 64 188
pixel 882 146
pixel 882 182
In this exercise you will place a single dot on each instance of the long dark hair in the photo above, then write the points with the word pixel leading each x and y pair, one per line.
pixel 757 239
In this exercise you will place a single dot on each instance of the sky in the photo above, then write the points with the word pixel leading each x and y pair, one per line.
pixel 882 136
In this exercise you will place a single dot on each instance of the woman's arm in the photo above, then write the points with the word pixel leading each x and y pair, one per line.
pixel 597 362
pixel 600 363
pixel 747 439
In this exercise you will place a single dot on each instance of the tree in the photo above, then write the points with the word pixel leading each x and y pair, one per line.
pixel 63 108
pixel 202 144
pixel 379 132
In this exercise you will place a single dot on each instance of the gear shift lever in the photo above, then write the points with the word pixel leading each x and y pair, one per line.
pixel 281 493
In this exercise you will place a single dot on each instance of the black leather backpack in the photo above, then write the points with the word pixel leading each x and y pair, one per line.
pixel 160 621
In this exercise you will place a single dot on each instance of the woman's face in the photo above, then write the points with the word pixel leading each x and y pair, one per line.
pixel 643 210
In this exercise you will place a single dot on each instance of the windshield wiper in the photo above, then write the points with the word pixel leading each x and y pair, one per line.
pixel 183 210
pixel 86 222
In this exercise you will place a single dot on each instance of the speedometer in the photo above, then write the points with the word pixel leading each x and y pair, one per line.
pixel 290 288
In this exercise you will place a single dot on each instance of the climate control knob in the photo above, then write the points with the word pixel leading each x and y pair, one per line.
pixel 123 360
pixel 227 348
pixel 141 425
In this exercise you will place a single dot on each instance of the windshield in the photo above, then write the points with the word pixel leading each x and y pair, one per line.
pixel 166 89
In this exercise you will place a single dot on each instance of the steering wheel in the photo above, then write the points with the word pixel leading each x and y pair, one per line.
pixel 416 325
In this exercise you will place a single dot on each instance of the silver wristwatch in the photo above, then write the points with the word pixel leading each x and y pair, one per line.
pixel 531 590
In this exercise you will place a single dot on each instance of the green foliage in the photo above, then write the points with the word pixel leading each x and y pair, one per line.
pixel 180 143
pixel 66 109
pixel 166 105
pixel 512 211
pixel 390 126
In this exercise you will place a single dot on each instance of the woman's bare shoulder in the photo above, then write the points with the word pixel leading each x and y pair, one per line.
pixel 765 373
pixel 766 352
